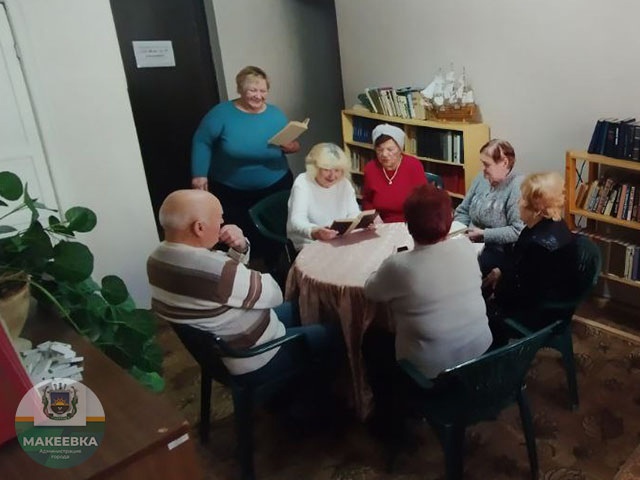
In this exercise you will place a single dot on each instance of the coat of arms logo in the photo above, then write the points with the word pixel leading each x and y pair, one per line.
pixel 59 402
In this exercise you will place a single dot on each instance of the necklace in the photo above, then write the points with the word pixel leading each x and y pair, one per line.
pixel 390 179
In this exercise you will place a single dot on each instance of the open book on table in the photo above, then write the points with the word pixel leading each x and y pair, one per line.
pixel 290 132
pixel 458 229
pixel 348 225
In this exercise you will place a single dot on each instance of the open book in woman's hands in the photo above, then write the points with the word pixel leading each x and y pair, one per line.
pixel 290 132
pixel 348 225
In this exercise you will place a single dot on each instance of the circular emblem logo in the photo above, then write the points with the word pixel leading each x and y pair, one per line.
pixel 60 423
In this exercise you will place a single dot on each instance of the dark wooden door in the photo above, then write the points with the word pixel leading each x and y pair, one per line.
pixel 167 102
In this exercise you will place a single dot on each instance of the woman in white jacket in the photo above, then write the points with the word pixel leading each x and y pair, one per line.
pixel 319 196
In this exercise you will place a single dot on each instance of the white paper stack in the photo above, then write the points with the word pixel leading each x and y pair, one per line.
pixel 52 360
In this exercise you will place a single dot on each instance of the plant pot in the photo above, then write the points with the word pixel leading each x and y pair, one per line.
pixel 14 310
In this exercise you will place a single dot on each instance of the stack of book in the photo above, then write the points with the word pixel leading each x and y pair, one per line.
pixel 608 196
pixel 619 257
pixel 403 102
pixel 616 138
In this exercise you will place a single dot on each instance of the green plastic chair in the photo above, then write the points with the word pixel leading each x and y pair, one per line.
pixel 475 391
pixel 435 179
pixel 588 264
pixel 270 218
pixel 207 350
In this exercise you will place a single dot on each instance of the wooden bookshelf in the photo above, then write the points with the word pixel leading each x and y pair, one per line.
pixel 584 167
pixel 473 137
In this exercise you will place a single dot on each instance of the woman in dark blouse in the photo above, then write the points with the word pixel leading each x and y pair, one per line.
pixel 543 265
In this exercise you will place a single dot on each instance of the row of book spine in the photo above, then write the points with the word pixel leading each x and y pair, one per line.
pixel 440 144
pixel 358 160
pixel 616 138
pixel 403 102
pixel 434 143
pixel 619 257
pixel 608 196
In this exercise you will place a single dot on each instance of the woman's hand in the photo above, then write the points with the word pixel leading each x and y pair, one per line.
pixel 491 280
pixel 200 183
pixel 323 234
pixel 475 234
pixel 291 147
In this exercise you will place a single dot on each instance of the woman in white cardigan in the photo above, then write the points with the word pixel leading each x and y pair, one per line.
pixel 321 195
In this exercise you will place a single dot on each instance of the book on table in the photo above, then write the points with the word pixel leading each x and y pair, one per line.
pixel 290 132
pixel 459 229
pixel 348 225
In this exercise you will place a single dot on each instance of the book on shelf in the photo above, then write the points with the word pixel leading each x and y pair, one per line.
pixel 365 100
pixel 611 202
pixel 581 192
pixel 347 225
pixel 603 195
pixel 290 132
pixel 592 194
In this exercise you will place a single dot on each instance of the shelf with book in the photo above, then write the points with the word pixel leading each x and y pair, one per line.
pixel 603 203
pixel 449 149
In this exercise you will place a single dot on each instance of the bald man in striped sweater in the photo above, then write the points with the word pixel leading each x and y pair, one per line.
pixel 215 291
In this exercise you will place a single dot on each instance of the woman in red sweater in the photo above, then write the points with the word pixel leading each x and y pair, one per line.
pixel 392 176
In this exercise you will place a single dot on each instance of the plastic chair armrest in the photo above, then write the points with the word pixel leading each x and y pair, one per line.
pixel 517 327
pixel 227 351
pixel 415 374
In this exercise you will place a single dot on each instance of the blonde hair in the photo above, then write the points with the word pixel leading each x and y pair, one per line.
pixel 248 74
pixel 544 193
pixel 327 155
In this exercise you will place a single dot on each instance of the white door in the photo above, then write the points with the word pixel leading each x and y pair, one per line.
pixel 21 149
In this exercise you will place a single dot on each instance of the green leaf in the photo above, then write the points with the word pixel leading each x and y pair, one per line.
pixel 37 249
pixel 6 229
pixel 72 262
pixel 114 290
pixel 10 186
pixel 31 204
pixel 81 219
pixel 151 380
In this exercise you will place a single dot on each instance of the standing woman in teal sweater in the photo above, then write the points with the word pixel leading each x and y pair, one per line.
pixel 231 156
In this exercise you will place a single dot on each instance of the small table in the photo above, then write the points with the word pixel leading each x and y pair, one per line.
pixel 145 436
pixel 330 276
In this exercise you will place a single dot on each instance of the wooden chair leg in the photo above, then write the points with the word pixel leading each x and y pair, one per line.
pixel 243 415
pixel 452 438
pixel 205 406
pixel 529 433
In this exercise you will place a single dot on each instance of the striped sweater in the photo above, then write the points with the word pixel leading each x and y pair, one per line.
pixel 216 292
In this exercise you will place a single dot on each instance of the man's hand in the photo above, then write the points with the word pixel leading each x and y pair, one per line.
pixel 200 183
pixel 232 236
pixel 323 234
pixel 291 147
pixel 475 234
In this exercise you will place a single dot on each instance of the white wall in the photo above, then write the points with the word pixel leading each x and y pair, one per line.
pixel 74 71
pixel 542 71
pixel 294 41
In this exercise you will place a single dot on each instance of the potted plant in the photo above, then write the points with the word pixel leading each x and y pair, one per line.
pixel 46 258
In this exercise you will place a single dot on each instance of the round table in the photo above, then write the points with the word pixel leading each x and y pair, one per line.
pixel 328 279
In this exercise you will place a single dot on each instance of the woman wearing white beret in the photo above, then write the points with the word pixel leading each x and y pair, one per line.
pixel 392 176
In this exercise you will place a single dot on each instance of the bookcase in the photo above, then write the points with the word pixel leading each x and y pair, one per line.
pixel 593 179
pixel 449 149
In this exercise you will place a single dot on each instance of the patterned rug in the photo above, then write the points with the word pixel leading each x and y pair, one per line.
pixel 589 444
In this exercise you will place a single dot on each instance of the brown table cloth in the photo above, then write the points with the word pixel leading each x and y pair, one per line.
pixel 328 278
